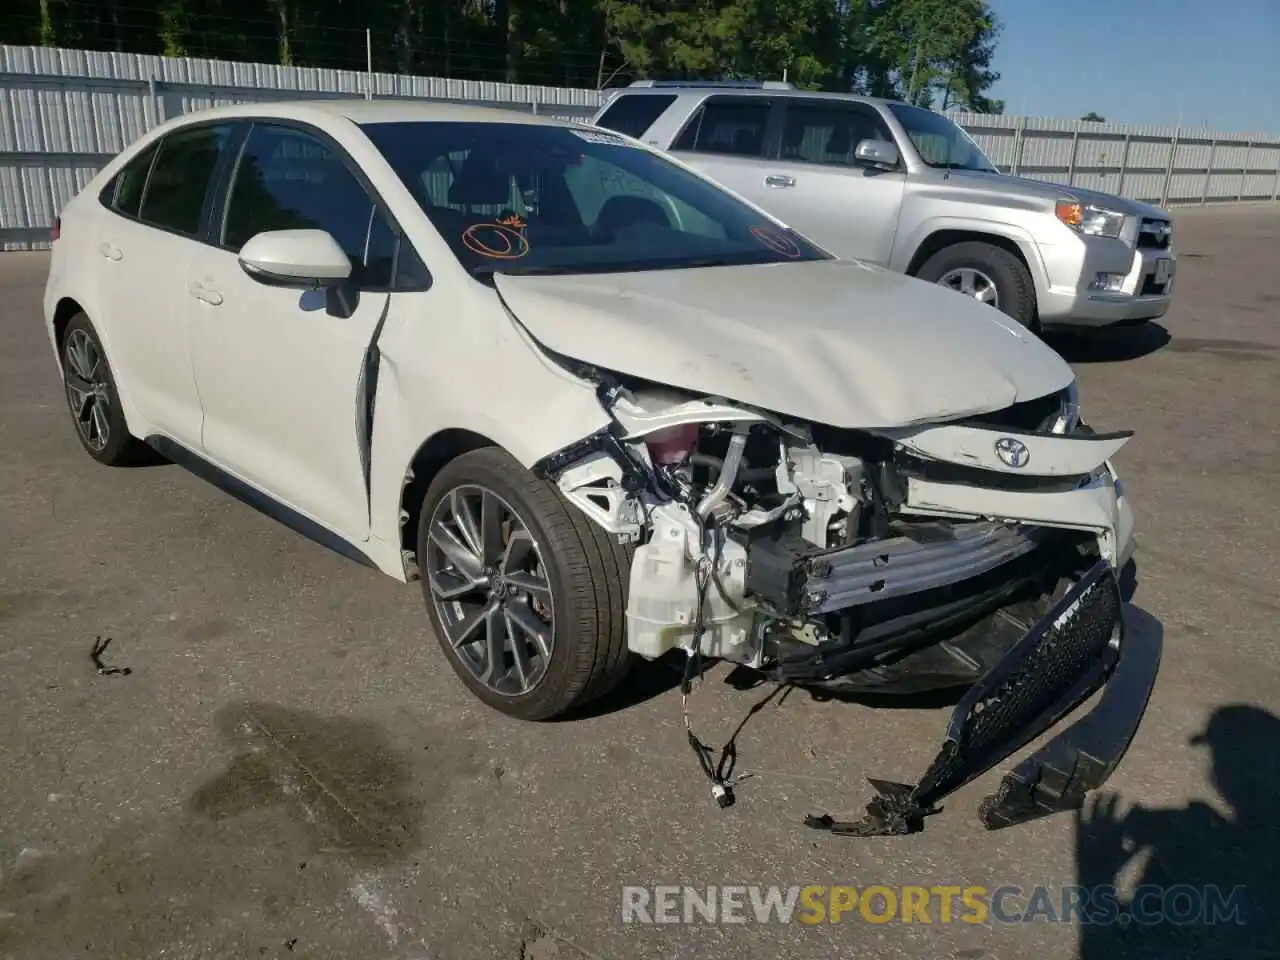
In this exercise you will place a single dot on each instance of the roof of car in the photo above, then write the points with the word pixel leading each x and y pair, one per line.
pixel 693 88
pixel 362 111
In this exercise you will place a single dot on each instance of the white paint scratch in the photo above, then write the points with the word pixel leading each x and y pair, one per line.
pixel 378 905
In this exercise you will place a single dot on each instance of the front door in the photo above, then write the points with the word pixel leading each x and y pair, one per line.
pixel 816 187
pixel 279 369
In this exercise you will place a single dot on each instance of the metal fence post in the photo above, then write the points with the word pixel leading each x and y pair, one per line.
pixel 1244 174
pixel 1017 144
pixel 1213 152
pixel 155 100
pixel 1168 173
pixel 1075 151
pixel 1275 186
pixel 1124 163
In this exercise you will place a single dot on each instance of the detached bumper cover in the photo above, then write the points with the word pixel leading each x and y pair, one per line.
pixel 1080 646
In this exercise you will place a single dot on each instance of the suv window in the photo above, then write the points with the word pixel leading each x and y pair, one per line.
pixel 125 193
pixel 634 113
pixel 287 179
pixel 829 133
pixel 734 127
pixel 175 193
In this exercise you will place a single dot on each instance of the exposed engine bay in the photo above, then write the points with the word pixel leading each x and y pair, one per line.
pixel 980 554
pixel 805 542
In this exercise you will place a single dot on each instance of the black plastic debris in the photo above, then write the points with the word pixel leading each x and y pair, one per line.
pixel 99 649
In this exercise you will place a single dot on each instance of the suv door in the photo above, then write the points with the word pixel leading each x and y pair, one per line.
pixel 817 187
pixel 158 210
pixel 282 371
pixel 728 138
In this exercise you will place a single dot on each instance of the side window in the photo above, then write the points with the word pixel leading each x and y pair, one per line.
pixel 175 191
pixel 734 127
pixel 125 193
pixel 287 179
pixel 634 113
pixel 818 133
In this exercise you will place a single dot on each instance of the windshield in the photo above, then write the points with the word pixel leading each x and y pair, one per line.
pixel 533 198
pixel 940 142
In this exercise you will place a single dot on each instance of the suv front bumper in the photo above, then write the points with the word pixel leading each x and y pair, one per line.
pixel 1068 300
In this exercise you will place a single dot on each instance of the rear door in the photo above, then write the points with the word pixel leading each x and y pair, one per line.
pixel 158 210
pixel 728 138
pixel 816 186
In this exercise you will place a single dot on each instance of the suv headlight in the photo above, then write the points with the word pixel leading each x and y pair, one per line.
pixel 1088 219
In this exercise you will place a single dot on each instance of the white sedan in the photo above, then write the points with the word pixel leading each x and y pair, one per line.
pixel 604 408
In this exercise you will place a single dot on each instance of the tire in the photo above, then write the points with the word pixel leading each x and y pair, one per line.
pixel 80 346
pixel 587 572
pixel 1015 290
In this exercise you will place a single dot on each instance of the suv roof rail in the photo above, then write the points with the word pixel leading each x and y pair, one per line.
pixel 739 84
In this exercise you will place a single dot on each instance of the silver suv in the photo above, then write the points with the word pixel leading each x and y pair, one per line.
pixel 904 187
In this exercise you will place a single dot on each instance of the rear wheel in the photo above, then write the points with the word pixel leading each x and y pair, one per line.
pixel 526 595
pixel 93 398
pixel 989 274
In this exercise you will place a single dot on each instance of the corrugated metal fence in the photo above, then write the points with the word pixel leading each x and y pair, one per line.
pixel 1162 165
pixel 64 113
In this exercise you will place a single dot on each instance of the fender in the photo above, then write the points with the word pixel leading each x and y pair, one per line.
pixel 909 242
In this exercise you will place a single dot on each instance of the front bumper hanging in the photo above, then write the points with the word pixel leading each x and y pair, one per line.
pixel 1080 646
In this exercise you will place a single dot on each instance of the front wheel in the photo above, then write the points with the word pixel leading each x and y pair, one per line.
pixel 989 274
pixel 526 595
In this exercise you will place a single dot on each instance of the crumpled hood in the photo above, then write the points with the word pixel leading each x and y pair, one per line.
pixel 834 342
pixel 998 183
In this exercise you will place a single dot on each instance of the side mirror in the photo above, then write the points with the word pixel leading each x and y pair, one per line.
pixel 878 153
pixel 295 258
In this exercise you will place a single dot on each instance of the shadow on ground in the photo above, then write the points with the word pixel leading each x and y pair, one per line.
pixel 1197 883
pixel 1109 345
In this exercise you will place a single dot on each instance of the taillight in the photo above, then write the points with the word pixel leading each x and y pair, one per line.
pixel 56 232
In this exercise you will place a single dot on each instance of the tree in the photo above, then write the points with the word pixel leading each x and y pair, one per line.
pixel 1092 117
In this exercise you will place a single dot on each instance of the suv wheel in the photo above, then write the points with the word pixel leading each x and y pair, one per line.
pixel 527 596
pixel 93 398
pixel 987 273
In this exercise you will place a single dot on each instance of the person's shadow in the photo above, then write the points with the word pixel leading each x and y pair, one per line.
pixel 1196 883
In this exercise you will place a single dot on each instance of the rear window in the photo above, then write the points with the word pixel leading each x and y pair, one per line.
pixel 634 113
pixel 125 193
pixel 180 176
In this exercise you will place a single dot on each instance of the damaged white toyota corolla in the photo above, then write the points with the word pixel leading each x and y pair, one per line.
pixel 603 408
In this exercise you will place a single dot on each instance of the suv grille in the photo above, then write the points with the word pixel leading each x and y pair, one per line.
pixel 1154 234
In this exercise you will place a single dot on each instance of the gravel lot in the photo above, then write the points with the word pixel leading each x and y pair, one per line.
pixel 291 770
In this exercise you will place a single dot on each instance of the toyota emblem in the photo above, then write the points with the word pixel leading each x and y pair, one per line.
pixel 1013 453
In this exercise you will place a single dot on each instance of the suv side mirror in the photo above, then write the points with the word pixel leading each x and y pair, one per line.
pixel 295 258
pixel 878 153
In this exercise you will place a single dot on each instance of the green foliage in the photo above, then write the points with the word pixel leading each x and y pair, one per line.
pixel 932 52
pixel 1092 117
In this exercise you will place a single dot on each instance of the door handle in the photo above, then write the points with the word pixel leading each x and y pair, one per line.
pixel 111 251
pixel 203 293
pixel 779 180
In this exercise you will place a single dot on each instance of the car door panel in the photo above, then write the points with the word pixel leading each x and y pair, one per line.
pixel 815 186
pixel 142 247
pixel 278 368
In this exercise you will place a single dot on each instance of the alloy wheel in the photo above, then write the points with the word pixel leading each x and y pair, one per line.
pixel 972 283
pixel 491 590
pixel 85 372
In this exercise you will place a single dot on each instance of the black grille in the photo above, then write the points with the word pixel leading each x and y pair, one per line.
pixel 1153 235
pixel 1059 659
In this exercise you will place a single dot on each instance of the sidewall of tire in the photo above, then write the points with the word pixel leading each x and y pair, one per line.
pixel 1013 281
pixel 122 447
pixel 577 671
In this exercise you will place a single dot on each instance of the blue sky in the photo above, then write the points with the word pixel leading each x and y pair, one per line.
pixel 1213 62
